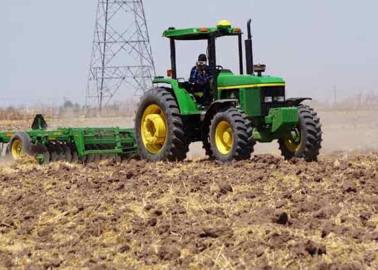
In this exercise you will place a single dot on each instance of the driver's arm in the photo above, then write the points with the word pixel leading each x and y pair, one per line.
pixel 193 75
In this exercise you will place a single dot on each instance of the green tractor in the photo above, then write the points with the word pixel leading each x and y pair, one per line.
pixel 244 108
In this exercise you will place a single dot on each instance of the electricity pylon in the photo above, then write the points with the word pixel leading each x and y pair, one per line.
pixel 121 56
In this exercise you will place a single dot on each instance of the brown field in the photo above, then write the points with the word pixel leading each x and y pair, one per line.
pixel 265 213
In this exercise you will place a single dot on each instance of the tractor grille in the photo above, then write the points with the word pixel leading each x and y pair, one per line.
pixel 275 93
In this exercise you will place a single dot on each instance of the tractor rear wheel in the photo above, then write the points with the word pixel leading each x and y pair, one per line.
pixel 231 136
pixel 159 127
pixel 304 141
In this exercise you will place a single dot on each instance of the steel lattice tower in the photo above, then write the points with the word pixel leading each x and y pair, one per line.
pixel 122 56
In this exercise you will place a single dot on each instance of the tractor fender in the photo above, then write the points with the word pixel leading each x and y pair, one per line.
pixel 185 101
pixel 217 106
pixel 294 102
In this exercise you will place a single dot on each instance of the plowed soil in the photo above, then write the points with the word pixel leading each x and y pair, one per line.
pixel 265 213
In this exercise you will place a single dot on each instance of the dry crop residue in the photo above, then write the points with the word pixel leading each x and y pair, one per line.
pixel 193 215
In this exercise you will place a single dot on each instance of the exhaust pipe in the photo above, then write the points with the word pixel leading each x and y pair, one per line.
pixel 249 50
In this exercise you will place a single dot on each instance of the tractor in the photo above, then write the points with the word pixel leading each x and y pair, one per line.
pixel 245 108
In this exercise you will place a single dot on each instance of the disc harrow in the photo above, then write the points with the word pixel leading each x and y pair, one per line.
pixel 74 145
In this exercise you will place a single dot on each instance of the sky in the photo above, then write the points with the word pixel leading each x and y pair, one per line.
pixel 319 47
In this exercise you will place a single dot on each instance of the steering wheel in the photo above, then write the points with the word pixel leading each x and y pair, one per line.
pixel 219 67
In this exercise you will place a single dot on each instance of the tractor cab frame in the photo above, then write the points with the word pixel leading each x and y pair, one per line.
pixel 223 29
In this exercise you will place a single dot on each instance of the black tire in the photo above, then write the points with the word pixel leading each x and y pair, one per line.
pixel 25 143
pixel 242 143
pixel 206 144
pixel 176 144
pixel 310 131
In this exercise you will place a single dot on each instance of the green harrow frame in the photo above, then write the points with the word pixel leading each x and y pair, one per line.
pixel 68 144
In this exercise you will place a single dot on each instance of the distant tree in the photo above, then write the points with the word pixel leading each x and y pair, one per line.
pixel 68 104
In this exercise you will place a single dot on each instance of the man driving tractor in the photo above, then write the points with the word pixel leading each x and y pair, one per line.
pixel 200 77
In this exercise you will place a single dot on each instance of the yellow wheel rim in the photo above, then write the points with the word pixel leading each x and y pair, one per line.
pixel 294 142
pixel 154 129
pixel 16 149
pixel 224 138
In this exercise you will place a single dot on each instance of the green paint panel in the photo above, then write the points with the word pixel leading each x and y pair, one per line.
pixel 185 100
pixel 250 101
pixel 282 119
pixel 278 123
pixel 231 81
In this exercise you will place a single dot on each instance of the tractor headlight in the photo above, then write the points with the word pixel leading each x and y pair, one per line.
pixel 268 99
pixel 279 99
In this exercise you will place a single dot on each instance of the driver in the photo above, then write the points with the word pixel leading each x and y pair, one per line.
pixel 200 77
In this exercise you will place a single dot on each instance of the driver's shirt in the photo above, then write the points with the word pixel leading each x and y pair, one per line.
pixel 200 77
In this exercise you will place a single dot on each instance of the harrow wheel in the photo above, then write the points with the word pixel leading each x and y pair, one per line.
pixel 20 146
pixel 304 141
pixel 231 136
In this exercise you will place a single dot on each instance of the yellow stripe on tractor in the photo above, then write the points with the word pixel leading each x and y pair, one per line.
pixel 246 86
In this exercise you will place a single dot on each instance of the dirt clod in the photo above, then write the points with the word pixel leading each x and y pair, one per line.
pixel 350 188
pixel 315 249
pixel 124 248
pixel 152 222
pixel 158 212
pixel 215 232
pixel 225 188
pixel 281 218
pixel 168 253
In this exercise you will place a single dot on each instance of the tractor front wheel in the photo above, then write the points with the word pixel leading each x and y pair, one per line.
pixel 304 141
pixel 231 136
pixel 159 127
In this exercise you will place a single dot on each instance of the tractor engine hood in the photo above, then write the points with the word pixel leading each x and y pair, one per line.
pixel 227 80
